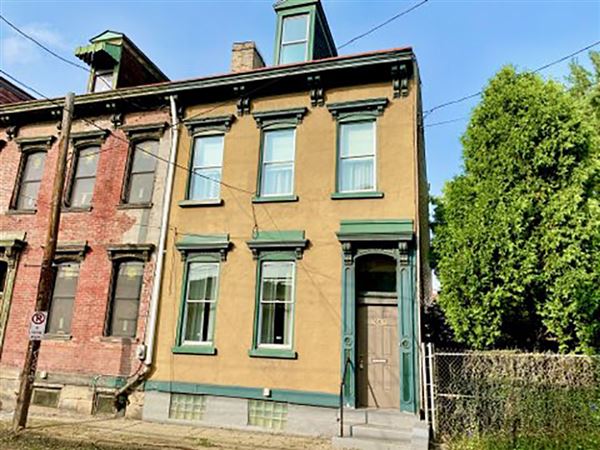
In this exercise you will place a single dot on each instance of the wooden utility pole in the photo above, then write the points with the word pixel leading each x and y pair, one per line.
pixel 44 291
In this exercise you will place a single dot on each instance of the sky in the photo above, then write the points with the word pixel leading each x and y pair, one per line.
pixel 459 45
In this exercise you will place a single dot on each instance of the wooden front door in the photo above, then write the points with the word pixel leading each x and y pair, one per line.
pixel 378 367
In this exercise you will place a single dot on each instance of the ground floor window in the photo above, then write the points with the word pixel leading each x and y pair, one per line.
pixel 127 287
pixel 200 302
pixel 275 315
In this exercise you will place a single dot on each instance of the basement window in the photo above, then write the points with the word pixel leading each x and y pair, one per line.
pixel 47 397
pixel 267 414
pixel 187 407
pixel 104 404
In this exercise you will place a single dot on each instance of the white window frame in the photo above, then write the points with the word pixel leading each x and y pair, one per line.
pixel 186 300
pixel 193 168
pixel 99 81
pixel 283 43
pixel 263 164
pixel 341 158
pixel 260 309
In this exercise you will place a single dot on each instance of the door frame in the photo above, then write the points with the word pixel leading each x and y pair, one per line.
pixel 393 238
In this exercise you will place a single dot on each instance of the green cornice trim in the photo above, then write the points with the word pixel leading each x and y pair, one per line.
pixel 194 350
pixel 88 52
pixel 205 124
pixel 275 199
pixel 282 353
pixel 288 240
pixel 355 195
pixel 377 229
pixel 284 4
pixel 309 398
pixel 292 116
pixel 373 106
pixel 198 243
pixel 231 79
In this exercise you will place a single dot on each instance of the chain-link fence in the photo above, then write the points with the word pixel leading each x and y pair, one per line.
pixel 516 398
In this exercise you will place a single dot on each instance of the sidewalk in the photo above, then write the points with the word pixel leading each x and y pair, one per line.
pixel 54 431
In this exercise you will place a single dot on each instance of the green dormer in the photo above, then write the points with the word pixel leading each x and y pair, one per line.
pixel 116 62
pixel 302 32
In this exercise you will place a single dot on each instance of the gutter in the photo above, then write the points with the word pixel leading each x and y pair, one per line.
pixel 149 342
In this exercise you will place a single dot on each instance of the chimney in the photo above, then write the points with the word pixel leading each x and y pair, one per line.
pixel 245 56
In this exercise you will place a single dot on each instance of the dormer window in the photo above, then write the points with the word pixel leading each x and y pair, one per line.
pixel 103 81
pixel 294 39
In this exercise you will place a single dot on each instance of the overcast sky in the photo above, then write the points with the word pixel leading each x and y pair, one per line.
pixel 459 44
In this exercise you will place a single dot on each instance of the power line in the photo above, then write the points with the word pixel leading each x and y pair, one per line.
pixel 444 122
pixel 539 69
pixel 381 25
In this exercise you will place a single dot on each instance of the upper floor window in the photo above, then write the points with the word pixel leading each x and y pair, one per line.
pixel 141 175
pixel 124 304
pixel 206 167
pixel 294 39
pixel 277 171
pixel 84 177
pixel 103 81
pixel 30 180
pixel 356 167
pixel 63 297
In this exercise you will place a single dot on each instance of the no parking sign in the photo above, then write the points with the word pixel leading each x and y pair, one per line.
pixel 37 325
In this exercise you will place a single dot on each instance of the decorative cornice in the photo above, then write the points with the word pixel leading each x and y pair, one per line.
pixel 72 250
pixel 216 123
pixel 37 142
pixel 93 136
pixel 149 129
pixel 400 80
pixel 218 243
pixel 292 116
pixel 317 93
pixel 373 107
pixel 134 251
pixel 293 240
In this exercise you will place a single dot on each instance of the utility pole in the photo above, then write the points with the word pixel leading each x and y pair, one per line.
pixel 44 291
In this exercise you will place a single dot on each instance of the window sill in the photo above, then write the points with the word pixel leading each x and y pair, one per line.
pixel 200 203
pixel 71 209
pixel 355 195
pixel 275 199
pixel 134 206
pixel 57 337
pixel 16 212
pixel 194 350
pixel 283 353
pixel 118 339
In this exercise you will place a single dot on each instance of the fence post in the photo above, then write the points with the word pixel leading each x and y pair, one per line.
pixel 432 390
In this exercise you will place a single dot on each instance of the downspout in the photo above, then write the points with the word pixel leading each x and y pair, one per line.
pixel 122 393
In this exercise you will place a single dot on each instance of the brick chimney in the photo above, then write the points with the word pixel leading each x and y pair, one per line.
pixel 245 56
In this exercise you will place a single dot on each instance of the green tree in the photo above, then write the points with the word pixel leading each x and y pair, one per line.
pixel 517 236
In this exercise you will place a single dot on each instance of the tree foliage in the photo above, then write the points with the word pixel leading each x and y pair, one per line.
pixel 517 236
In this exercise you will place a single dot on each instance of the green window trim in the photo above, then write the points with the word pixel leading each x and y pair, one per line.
pixel 208 349
pixel 275 199
pixel 265 352
pixel 356 195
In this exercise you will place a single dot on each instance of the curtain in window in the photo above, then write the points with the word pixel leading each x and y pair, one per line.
pixel 200 302
pixel 207 167
pixel 278 163
pixel 276 303
pixel 357 157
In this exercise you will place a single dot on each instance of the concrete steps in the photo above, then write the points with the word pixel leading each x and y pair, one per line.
pixel 382 430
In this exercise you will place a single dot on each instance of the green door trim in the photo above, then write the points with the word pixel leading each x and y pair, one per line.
pixel 400 245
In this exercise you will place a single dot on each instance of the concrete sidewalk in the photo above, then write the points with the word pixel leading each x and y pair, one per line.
pixel 107 432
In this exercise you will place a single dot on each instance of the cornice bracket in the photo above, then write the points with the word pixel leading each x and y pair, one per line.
pixel 243 103
pixel 400 80
pixel 317 92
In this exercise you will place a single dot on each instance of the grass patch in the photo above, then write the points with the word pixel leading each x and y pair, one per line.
pixel 588 440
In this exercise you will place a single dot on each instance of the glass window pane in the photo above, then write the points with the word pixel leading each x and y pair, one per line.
pixel 34 166
pixel 295 28
pixel 65 284
pixel 124 318
pixel 87 161
pixel 357 139
pixel 103 82
pixel 293 53
pixel 143 161
pixel 129 280
pixel 83 190
pixel 3 273
pixel 202 281
pixel 199 322
pixel 208 151
pixel 275 323
pixel 277 179
pixel 61 315
pixel 140 188
pixel 28 195
pixel 279 146
pixel 357 174
pixel 205 184
pixel 278 270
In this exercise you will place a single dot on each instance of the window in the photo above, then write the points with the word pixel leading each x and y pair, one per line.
pixel 294 39
pixel 356 168
pixel 141 176
pixel 31 179
pixel 267 414
pixel 84 177
pixel 187 406
pixel 103 81
pixel 127 286
pixel 201 297
pixel 3 275
pixel 276 303
pixel 207 162
pixel 63 297
pixel 277 174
